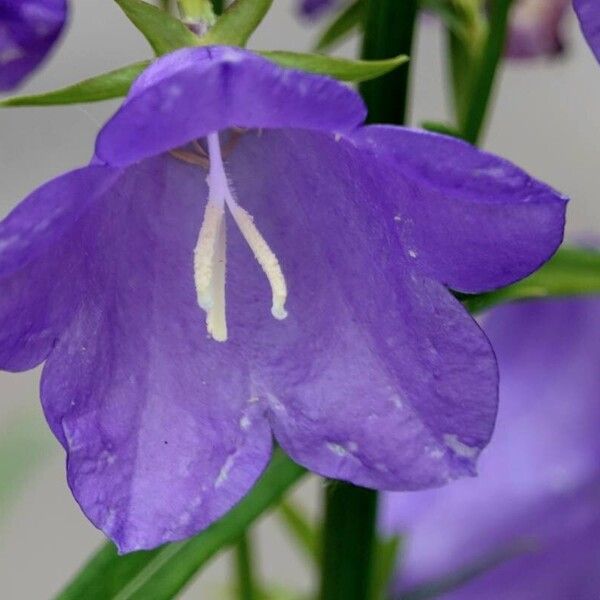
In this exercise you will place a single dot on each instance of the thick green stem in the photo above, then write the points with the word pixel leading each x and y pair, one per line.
pixel 243 562
pixel 349 542
pixel 482 80
pixel 218 6
pixel 388 32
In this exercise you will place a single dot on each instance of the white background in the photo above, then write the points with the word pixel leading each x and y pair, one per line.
pixel 547 119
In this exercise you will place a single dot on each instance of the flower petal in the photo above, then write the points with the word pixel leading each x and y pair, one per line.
pixel 159 423
pixel 193 92
pixel 588 12
pixel 467 218
pixel 28 30
pixel 377 376
pixel 539 479
pixel 41 265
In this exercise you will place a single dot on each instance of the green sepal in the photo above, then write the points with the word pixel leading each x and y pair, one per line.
pixel 339 68
pixel 443 128
pixel 571 272
pixel 164 32
pixel 342 26
pixel 114 84
pixel 162 573
pixel 235 26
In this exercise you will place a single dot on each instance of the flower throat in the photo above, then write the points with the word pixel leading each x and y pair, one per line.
pixel 210 255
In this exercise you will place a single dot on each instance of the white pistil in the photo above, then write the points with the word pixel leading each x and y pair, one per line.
pixel 210 252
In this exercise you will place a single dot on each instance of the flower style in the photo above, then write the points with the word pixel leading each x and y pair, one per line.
pixel 243 259
pixel 535 507
pixel 28 30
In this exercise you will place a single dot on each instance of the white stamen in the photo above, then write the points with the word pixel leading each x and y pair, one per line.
pixel 210 252
pixel 265 257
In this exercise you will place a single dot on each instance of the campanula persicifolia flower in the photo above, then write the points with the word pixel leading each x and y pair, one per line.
pixel 244 259
pixel 28 30
pixel 534 510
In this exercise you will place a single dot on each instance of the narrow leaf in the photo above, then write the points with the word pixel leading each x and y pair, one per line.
pixel 160 574
pixel 386 555
pixel 572 272
pixel 237 23
pixel 339 68
pixel 114 84
pixel 342 26
pixel 301 530
pixel 164 32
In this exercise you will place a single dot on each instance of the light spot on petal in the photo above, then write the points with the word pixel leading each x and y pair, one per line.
pixel 224 472
pixel 352 447
pixel 245 423
pixel 337 449
pixel 397 401
pixel 412 253
pixel 459 448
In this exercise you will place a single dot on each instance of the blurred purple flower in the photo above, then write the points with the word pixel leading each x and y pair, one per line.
pixel 535 28
pixel 370 371
pixel 315 8
pixel 538 492
pixel 28 30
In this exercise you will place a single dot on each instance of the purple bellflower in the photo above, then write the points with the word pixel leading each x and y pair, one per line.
pixel 28 30
pixel 176 345
pixel 535 28
pixel 314 8
pixel 535 507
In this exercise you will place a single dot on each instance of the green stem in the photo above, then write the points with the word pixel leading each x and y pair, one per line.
pixel 218 6
pixel 243 561
pixel 484 75
pixel 349 542
pixel 388 32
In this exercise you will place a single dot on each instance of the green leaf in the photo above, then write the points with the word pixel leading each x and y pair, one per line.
pixel 437 127
pixel 339 68
pixel 160 574
pixel 237 23
pixel 342 26
pixel 114 84
pixel 164 32
pixel 386 554
pixel 572 272
pixel 302 531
